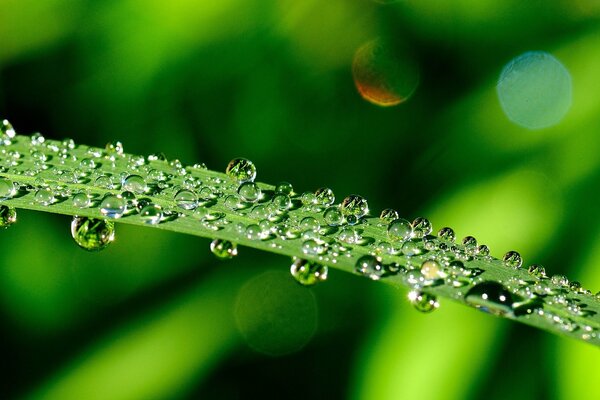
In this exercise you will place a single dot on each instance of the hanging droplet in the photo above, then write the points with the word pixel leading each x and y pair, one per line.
pixel 81 200
pixel 333 216
pixel 512 259
pixel 388 215
pixel 447 234
pixel 223 249
pixel 186 199
pixel 135 184
pixel 370 266
pixel 354 205
pixel 113 206
pixel 325 197
pixel 399 230
pixel 241 170
pixel 491 297
pixel 421 227
pixel 422 301
pixel 8 216
pixel 92 234
pixel 151 214
pixel 249 192
pixel 7 189
pixel 307 272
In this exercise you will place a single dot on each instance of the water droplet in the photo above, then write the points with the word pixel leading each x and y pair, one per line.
pixel 37 139
pixel 241 170
pixel 370 266
pixel 135 184
pixel 512 259
pixel 310 224
pixel 399 230
pixel 81 200
pixel 421 227
pixel 7 189
pixel 560 280
pixel 8 216
pixel 284 188
pixel 432 270
pixel 491 297
pixel 388 215
pixel 382 76
pixel 483 250
pixel 223 249
pixel 333 216
pixel 314 247
pixel 535 90
pixel 7 132
pixel 282 202
pixel 422 301
pixel 308 198
pixel 44 197
pixel 114 149
pixel 307 272
pixel 325 197
pixel 447 233
pixel 249 192
pixel 92 234
pixel 151 214
pixel 470 244
pixel 186 199
pixel 354 205
pixel 112 206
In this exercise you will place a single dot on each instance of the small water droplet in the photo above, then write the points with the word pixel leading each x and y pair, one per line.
pixel 44 197
pixel 491 297
pixel 186 199
pixel 314 247
pixel 399 230
pixel 284 188
pixel 249 192
pixel 114 149
pixel 282 202
pixel 470 244
pixel 432 270
pixel 112 206
pixel 8 216
pixel 512 259
pixel 307 272
pixel 223 249
pixel 241 170
pixel 560 280
pixel 370 266
pixel 333 216
pixel 151 214
pixel 92 234
pixel 135 184
pixel 422 301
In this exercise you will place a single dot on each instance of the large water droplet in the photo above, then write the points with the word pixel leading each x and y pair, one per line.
pixel 421 227
pixel 308 272
pixel 44 197
pixel 370 266
pixel 447 233
pixel 113 206
pixel 491 297
pixel 8 216
pixel 151 214
pixel 422 301
pixel 325 196
pixel 399 230
pixel 223 249
pixel 81 200
pixel 135 184
pixel 388 215
pixel 512 259
pixel 249 192
pixel 92 234
pixel 186 199
pixel 354 205
pixel 241 170
pixel 333 216
pixel 7 189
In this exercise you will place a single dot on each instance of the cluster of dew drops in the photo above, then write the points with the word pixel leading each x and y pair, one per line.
pixel 160 191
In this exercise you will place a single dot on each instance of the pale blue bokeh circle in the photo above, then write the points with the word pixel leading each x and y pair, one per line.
pixel 535 90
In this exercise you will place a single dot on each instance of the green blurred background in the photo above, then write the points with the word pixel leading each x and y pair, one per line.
pixel 154 316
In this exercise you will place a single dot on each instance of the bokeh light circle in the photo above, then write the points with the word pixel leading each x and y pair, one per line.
pixel 274 314
pixel 383 76
pixel 535 90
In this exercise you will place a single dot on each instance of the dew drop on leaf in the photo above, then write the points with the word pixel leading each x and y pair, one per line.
pixel 308 273
pixel 92 234
pixel 241 170
pixel 490 297
pixel 399 230
pixel 113 206
pixel 151 214
pixel 223 249
pixel 8 216
pixel 370 266
pixel 423 301
pixel 512 259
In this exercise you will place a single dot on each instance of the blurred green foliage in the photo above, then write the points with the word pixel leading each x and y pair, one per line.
pixel 205 81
